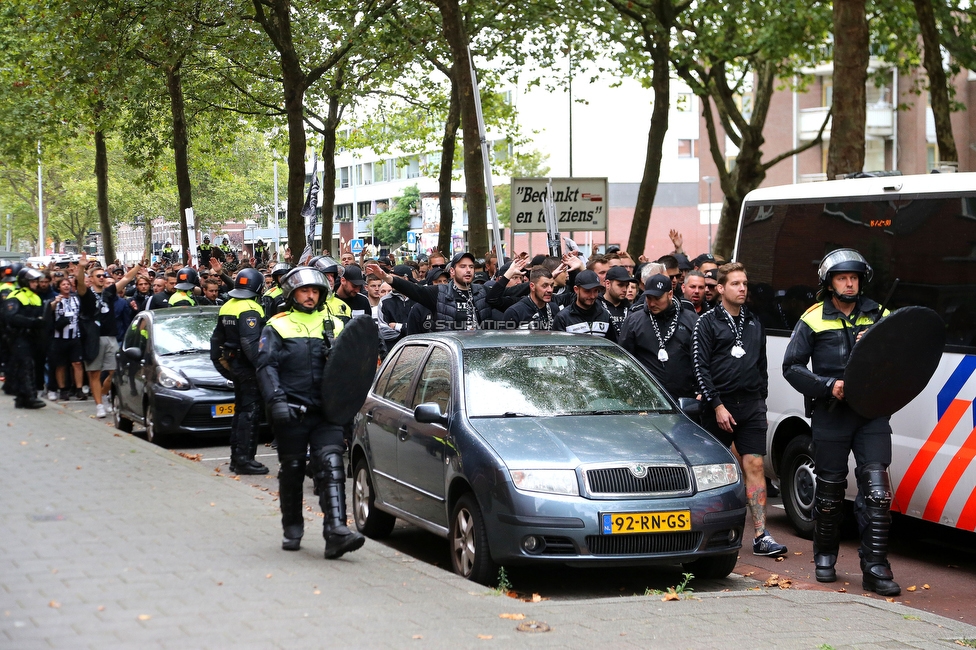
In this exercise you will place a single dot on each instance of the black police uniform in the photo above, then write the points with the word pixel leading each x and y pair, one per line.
pixel 740 383
pixel 234 349
pixel 292 354
pixel 23 315
pixel 675 325
pixel 826 336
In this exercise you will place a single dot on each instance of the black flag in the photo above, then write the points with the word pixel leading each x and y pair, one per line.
pixel 308 211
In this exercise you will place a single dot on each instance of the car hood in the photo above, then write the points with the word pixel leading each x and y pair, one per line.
pixel 198 368
pixel 569 441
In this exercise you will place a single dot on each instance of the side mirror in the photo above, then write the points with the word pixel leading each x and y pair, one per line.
pixel 135 354
pixel 690 407
pixel 429 413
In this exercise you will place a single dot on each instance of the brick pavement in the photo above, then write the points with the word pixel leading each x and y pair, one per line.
pixel 107 541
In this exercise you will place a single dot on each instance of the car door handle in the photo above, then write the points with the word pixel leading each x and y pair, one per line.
pixel 369 415
pixel 403 433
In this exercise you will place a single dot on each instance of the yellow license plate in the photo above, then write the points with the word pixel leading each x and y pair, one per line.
pixel 623 523
pixel 222 410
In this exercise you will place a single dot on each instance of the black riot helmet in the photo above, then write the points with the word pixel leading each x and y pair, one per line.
pixel 304 276
pixel 186 279
pixel 330 267
pixel 844 260
pixel 10 272
pixel 26 275
pixel 206 239
pixel 279 270
pixel 248 284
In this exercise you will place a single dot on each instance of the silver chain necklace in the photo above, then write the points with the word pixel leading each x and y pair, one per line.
pixel 737 327
pixel 662 354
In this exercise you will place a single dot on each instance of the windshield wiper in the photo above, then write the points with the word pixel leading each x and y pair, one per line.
pixel 182 352
pixel 620 411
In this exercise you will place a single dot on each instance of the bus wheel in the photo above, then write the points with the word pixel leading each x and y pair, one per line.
pixel 798 482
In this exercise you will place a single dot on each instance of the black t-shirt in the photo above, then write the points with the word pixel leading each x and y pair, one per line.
pixel 101 307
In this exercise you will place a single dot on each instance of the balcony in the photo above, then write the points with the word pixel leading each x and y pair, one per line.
pixel 880 122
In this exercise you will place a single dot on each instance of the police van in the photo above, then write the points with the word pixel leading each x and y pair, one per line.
pixel 920 230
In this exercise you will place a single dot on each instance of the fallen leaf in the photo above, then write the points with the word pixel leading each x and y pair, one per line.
pixel 117 435
pixel 780 558
pixel 842 591
pixel 926 587
pixel 212 504
pixel 797 552
pixel 890 600
pixel 268 576
pixel 101 608
pixel 417 636
pixel 23 442
pixel 485 636
pixel 912 588
pixel 512 617
pixel 220 584
pixel 55 604
pixel 670 596
pixel 317 592
pixel 144 617
pixel 196 458
pixel 536 598
pixel 78 467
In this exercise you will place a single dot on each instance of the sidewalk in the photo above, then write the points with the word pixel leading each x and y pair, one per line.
pixel 108 541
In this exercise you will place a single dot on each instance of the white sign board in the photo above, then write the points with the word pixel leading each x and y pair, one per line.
pixel 582 204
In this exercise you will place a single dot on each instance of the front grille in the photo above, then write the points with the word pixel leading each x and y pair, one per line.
pixel 559 546
pixel 201 415
pixel 670 479
pixel 645 544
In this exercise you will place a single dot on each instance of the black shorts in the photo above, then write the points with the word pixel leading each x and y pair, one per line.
pixel 63 352
pixel 749 432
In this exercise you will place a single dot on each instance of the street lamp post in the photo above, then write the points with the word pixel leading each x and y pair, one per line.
pixel 709 180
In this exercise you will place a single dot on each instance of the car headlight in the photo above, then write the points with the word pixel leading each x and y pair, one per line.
pixel 169 378
pixel 709 477
pixel 551 481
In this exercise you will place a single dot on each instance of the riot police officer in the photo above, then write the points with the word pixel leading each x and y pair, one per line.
pixel 23 315
pixel 8 282
pixel 225 246
pixel 273 298
pixel 167 254
pixel 234 350
pixel 826 334
pixel 260 252
pixel 205 251
pixel 186 282
pixel 333 272
pixel 293 352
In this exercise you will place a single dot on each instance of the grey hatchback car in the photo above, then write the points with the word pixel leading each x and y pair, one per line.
pixel 523 447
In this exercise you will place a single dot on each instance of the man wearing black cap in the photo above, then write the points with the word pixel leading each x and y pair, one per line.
pixel 350 286
pixel 586 315
pixel 614 298
pixel 659 334
pixel 459 305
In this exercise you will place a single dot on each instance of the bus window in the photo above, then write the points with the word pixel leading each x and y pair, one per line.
pixel 927 242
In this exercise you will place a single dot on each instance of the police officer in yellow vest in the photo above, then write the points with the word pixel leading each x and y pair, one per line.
pixel 234 350
pixel 205 252
pixel 167 253
pixel 8 282
pixel 186 282
pixel 23 315
pixel 333 272
pixel 273 298
pixel 294 350
pixel 260 252
pixel 825 336
pixel 225 246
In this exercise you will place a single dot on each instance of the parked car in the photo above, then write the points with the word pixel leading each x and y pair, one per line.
pixel 524 447
pixel 165 380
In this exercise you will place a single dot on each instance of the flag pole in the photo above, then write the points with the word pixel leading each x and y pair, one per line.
pixel 489 188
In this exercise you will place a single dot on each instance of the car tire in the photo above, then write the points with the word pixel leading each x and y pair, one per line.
pixel 121 423
pixel 798 483
pixel 470 555
pixel 713 567
pixel 370 521
pixel 151 434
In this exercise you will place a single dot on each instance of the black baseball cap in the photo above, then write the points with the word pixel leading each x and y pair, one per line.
pixel 587 280
pixel 657 285
pixel 701 259
pixel 683 263
pixel 460 256
pixel 619 274
pixel 354 274
pixel 435 273
pixel 403 271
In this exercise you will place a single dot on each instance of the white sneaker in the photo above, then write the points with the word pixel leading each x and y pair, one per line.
pixel 108 406
pixel 99 411
pixel 51 395
pixel 86 390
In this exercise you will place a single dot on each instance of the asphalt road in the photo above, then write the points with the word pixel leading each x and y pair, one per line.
pixel 935 566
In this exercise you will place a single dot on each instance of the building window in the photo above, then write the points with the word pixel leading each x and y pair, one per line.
pixel 931 156
pixel 365 209
pixel 686 148
pixel 342 178
pixel 343 212
pixel 684 102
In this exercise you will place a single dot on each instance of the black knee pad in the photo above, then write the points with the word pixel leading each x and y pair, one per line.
pixel 876 486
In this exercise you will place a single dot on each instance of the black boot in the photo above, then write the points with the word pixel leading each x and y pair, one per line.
pixel 828 511
pixel 29 402
pixel 291 474
pixel 247 443
pixel 875 570
pixel 332 484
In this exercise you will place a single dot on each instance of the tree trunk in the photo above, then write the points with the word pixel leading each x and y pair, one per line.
pixel 174 85
pixel 448 147
pixel 101 183
pixel 328 164
pixel 938 84
pixel 293 84
pixel 474 164
pixel 661 83
pixel 846 152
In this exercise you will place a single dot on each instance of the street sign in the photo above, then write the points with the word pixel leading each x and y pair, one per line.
pixel 582 204
pixel 411 237
pixel 356 246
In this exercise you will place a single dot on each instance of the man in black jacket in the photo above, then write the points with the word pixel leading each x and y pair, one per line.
pixel 458 305
pixel 535 311
pixel 730 365
pixel 586 315
pixel 614 298
pixel 659 335
pixel 826 334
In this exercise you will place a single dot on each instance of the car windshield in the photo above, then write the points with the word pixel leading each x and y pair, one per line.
pixel 183 334
pixel 542 381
